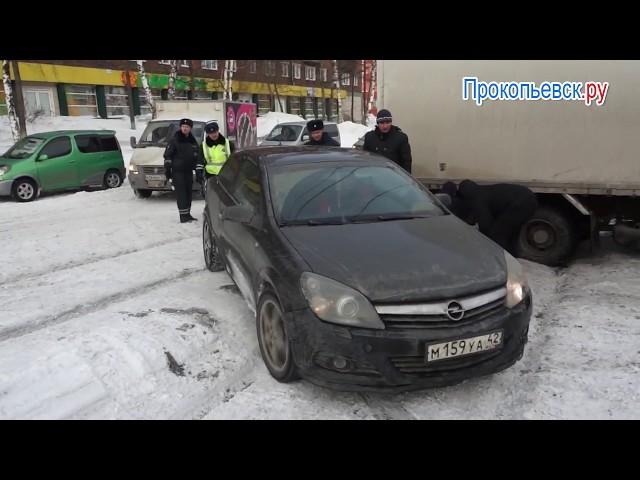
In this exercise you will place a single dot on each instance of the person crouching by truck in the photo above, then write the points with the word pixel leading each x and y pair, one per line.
pixel 181 157
pixel 318 135
pixel 216 150
pixel 499 210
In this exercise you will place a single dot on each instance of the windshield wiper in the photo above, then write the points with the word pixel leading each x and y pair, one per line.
pixel 385 218
pixel 313 223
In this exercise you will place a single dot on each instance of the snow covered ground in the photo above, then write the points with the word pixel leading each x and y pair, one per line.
pixel 107 311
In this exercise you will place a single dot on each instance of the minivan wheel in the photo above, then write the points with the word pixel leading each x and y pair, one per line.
pixel 212 258
pixel 142 193
pixel 24 190
pixel 112 179
pixel 275 346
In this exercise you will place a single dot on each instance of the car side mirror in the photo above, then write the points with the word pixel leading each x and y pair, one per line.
pixel 445 199
pixel 133 142
pixel 305 137
pixel 238 213
pixel 42 157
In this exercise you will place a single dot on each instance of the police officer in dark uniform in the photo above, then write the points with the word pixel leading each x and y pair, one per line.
pixel 318 135
pixel 499 210
pixel 182 156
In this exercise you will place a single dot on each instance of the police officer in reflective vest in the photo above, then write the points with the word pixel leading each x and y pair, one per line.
pixel 216 150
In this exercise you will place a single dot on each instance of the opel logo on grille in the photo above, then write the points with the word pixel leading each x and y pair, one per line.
pixel 455 311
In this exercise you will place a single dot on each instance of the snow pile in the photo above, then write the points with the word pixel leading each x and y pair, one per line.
pixel 269 120
pixel 350 133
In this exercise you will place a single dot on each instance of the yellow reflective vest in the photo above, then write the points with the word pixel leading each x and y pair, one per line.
pixel 215 157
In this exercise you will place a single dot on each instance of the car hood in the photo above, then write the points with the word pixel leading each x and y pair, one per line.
pixel 12 161
pixel 403 261
pixel 148 156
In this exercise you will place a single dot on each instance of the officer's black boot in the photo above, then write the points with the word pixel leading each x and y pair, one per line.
pixel 184 218
pixel 192 219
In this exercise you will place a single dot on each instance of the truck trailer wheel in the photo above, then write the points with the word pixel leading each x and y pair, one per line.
pixel 548 238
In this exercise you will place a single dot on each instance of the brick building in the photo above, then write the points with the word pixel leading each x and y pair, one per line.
pixel 98 88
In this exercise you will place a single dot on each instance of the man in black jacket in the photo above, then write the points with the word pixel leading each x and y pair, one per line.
pixel 389 141
pixel 500 210
pixel 318 135
pixel 182 156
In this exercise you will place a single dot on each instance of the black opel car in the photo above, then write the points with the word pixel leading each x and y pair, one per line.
pixel 359 277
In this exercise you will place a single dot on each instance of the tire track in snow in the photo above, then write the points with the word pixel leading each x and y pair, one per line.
pixel 91 260
pixel 39 324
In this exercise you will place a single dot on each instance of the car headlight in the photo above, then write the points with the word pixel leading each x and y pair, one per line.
pixel 133 168
pixel 517 285
pixel 4 169
pixel 334 302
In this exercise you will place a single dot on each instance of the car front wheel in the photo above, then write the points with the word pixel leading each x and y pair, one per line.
pixel 274 342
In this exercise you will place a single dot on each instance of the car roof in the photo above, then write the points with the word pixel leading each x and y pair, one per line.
pixel 304 123
pixel 57 133
pixel 280 155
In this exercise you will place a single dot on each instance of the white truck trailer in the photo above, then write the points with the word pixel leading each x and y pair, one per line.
pixel 583 161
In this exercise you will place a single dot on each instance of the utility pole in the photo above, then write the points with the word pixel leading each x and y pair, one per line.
pixel 132 115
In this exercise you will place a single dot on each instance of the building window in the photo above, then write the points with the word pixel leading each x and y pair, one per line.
pixel 297 69
pixel 310 73
pixel 284 69
pixel 323 74
pixel 270 68
pixel 355 80
pixel 252 66
pixel 156 93
pixel 209 64
pixel 117 101
pixel 81 100
pixel 165 62
pixel 345 79
pixel 184 63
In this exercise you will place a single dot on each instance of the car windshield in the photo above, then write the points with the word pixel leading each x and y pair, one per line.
pixel 327 193
pixel 284 133
pixel 24 148
pixel 158 134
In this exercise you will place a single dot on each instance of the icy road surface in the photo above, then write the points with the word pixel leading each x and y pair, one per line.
pixel 107 311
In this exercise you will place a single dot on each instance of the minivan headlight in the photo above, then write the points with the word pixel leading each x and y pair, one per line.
pixel 517 285
pixel 334 302
pixel 133 168
pixel 4 169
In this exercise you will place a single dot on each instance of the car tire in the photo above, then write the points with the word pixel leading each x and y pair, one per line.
pixel 24 190
pixel 112 179
pixel 547 238
pixel 212 258
pixel 142 193
pixel 275 346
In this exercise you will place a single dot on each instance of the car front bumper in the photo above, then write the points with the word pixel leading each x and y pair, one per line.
pixel 138 181
pixel 394 359
pixel 5 188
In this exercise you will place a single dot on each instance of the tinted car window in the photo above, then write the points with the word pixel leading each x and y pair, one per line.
pixel 229 172
pixel 88 143
pixel 332 131
pixel 247 188
pixel 284 133
pixel 349 193
pixel 57 147
pixel 109 144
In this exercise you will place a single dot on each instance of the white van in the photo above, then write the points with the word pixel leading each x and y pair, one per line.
pixel 237 121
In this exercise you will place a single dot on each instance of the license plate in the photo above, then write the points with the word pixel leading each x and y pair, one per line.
pixel 154 178
pixel 156 184
pixel 466 346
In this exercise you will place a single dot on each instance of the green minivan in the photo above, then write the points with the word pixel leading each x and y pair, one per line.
pixel 62 160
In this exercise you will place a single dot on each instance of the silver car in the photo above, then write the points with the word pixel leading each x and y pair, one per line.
pixel 296 133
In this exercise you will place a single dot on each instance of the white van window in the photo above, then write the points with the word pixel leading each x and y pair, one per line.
pixel 159 133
